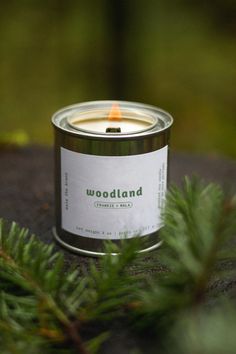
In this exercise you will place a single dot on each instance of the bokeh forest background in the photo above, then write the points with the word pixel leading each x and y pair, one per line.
pixel 177 54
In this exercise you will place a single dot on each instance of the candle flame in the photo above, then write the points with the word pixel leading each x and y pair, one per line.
pixel 115 113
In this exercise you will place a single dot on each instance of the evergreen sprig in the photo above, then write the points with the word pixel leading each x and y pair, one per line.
pixel 198 219
pixel 40 300
pixel 44 307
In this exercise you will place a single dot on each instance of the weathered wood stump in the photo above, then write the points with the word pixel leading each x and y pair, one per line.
pixel 27 189
pixel 27 197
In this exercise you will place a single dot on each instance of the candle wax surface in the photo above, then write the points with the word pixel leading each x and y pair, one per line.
pixel 99 125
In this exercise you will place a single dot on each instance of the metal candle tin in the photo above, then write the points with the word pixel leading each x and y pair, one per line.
pixel 111 166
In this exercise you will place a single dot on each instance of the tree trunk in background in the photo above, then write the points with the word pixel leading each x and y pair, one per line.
pixel 117 19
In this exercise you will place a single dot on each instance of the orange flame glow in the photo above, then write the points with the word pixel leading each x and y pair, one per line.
pixel 115 113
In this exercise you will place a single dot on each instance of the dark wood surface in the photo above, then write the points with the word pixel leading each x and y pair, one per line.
pixel 27 189
pixel 27 197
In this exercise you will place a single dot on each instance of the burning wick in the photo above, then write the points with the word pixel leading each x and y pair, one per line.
pixel 115 113
pixel 114 116
pixel 113 130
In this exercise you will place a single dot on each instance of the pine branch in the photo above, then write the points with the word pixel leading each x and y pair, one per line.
pixel 112 286
pixel 59 304
pixel 36 271
pixel 198 220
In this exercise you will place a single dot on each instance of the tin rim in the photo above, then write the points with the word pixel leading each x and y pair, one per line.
pixel 94 253
pixel 60 119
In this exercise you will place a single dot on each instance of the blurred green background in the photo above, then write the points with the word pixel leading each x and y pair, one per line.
pixel 179 55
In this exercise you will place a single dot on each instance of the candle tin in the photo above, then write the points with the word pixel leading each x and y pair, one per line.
pixel 110 174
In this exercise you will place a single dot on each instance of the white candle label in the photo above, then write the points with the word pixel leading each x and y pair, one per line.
pixel 112 197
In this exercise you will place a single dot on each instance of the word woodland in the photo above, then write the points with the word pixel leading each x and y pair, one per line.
pixel 116 193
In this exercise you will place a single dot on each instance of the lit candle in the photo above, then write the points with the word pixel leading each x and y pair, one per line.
pixel 111 174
